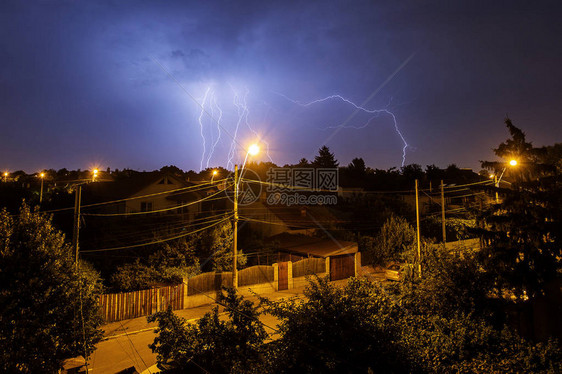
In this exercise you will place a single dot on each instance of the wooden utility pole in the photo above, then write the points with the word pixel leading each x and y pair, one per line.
pixel 443 213
pixel 497 184
pixel 76 232
pixel 418 229
pixel 235 244
pixel 41 193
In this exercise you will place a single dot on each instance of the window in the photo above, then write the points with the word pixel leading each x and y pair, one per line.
pixel 146 206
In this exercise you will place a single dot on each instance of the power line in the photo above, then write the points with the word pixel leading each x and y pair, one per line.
pixel 157 241
pixel 154 211
pixel 170 192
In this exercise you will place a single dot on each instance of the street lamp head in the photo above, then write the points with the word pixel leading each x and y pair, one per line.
pixel 42 175
pixel 513 162
pixel 215 172
pixel 5 173
pixel 253 150
pixel 492 176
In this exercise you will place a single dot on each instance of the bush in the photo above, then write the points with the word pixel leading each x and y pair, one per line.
pixel 395 237
pixel 211 345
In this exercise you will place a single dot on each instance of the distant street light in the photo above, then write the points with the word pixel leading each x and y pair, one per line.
pixel 215 172
pixel 513 162
pixel 94 174
pixel 5 176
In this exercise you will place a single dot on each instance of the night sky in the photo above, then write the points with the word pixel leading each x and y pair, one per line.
pixel 97 83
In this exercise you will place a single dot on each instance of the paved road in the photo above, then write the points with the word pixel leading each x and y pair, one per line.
pixel 126 342
pixel 125 351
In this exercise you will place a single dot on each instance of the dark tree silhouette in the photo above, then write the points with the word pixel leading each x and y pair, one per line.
pixel 325 159
pixel 43 297
pixel 523 233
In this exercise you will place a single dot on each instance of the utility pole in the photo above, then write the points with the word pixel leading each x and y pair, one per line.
pixel 418 229
pixel 443 213
pixel 76 233
pixel 41 193
pixel 235 244
pixel 497 184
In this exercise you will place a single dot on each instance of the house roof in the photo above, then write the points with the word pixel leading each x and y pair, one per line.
pixel 295 216
pixel 312 246
pixel 126 187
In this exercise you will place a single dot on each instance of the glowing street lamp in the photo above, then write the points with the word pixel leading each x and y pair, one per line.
pixel 497 180
pixel 5 176
pixel 94 174
pixel 215 172
pixel 253 150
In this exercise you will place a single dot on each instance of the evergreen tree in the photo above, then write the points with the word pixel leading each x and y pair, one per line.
pixel 523 233
pixel 325 159
pixel 303 163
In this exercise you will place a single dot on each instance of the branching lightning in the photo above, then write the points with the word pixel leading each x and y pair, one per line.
pixel 377 112
pixel 242 106
pixel 201 123
pixel 214 144
pixel 242 113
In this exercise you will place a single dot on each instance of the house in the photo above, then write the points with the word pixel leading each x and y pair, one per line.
pixel 159 192
pixel 269 220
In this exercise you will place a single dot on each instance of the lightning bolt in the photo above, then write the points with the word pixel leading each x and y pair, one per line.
pixel 201 124
pixel 242 112
pixel 214 144
pixel 243 106
pixel 377 112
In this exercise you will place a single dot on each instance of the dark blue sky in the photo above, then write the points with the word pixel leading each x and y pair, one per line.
pixel 85 83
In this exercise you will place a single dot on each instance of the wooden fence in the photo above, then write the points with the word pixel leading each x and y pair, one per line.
pixel 126 305
pixel 255 275
pixel 309 266
pixel 208 282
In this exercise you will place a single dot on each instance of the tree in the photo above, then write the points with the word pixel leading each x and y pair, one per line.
pixel 172 169
pixel 211 345
pixel 303 163
pixel 523 234
pixel 412 172
pixel 396 236
pixel 47 305
pixel 170 264
pixel 356 328
pixel 221 238
pixel 325 159
pixel 357 167
pixel 337 330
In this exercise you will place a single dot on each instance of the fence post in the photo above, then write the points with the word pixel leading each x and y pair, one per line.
pixel 290 283
pixel 276 276
pixel 357 263
pixel 158 300
pixel 328 267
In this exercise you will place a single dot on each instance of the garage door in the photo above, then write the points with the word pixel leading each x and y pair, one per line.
pixel 342 267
